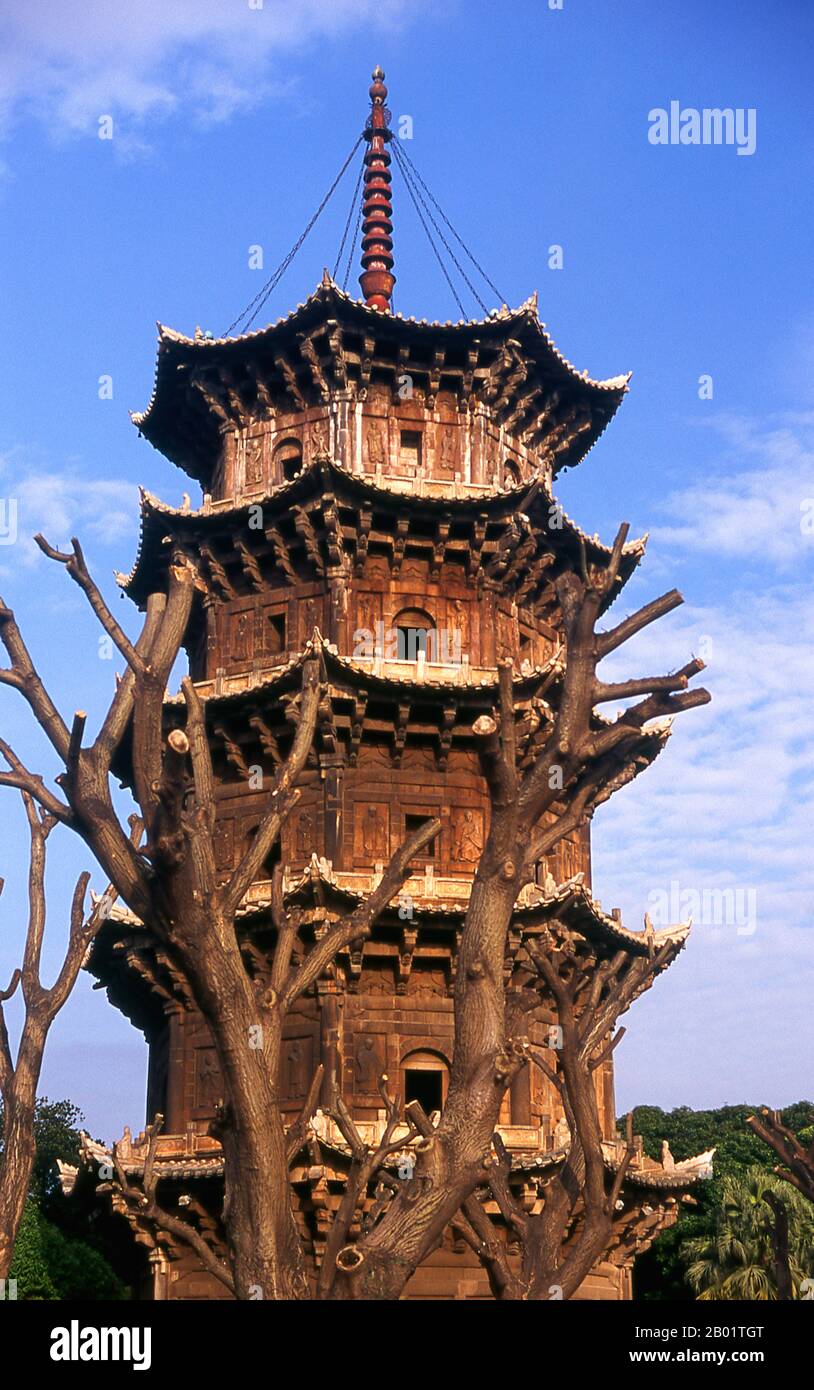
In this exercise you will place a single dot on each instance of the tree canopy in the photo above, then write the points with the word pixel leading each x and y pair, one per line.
pixel 661 1273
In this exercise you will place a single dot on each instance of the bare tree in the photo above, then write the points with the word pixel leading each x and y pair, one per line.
pixel 796 1165
pixel 19 1076
pixel 576 766
pixel 172 884
pixel 562 1243
pixel 544 784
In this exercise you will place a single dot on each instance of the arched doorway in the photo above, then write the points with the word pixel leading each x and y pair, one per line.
pixel 415 630
pixel 425 1078
pixel 286 460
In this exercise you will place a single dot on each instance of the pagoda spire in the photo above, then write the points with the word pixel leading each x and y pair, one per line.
pixel 377 278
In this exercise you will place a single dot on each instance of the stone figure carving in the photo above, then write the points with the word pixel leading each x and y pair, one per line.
pixel 562 1134
pixel 446 460
pixel 305 834
pixel 319 440
pixel 310 618
pixel 207 1078
pixel 368 1064
pixel 242 629
pixel 254 459
pixel 373 834
pixel 460 626
pixel 296 1062
pixel 376 444
pixel 467 838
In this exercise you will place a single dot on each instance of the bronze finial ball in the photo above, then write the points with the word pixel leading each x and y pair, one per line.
pixel 378 89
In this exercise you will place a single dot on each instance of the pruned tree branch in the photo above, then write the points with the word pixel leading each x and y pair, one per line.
pixel 361 920
pixel 297 1133
pixel 608 642
pixel 284 794
pixel 78 570
pixel 19 1076
pixel 796 1165
pixel 143 1204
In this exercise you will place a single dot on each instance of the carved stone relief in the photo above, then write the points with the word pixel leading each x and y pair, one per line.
pixel 372 827
pixel 207 1079
pixel 368 1064
pixel 297 1067
pixel 254 455
pixel 467 836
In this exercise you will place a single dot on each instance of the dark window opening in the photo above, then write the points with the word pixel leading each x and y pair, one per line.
pixel 427 1087
pixel 275 634
pixel 273 858
pixel 288 459
pixel 413 823
pixel 412 642
pixel 416 635
pixel 410 448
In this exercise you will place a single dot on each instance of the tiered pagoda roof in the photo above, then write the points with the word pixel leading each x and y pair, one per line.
pixel 327 514
pixel 337 539
pixel 333 342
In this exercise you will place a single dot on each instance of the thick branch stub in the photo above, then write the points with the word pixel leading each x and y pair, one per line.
pixel 349 1260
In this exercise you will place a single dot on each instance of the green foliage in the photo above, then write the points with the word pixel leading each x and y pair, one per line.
pixel 56 1132
pixel 691 1132
pixel 661 1273
pixel 29 1265
pixel 735 1260
pixel 48 1264
pixel 58 1253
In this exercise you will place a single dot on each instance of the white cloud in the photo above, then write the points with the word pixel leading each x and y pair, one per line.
pixel 733 793
pixel 61 504
pixel 729 805
pixel 757 512
pixel 69 64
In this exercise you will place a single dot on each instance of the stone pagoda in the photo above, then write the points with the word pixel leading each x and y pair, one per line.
pixel 378 488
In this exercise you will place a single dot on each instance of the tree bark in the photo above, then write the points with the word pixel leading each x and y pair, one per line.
pixel 172 885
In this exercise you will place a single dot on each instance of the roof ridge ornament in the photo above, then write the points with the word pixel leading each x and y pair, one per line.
pixel 377 278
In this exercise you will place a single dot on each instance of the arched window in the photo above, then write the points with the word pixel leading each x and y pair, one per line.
pixel 425 1077
pixel 287 460
pixel 416 635
pixel 512 477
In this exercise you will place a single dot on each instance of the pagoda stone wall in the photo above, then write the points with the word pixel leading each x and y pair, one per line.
pixel 417 449
pixel 379 1020
pixel 402 436
pixel 257 631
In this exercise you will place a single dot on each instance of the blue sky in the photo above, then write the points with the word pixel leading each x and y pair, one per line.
pixel 531 125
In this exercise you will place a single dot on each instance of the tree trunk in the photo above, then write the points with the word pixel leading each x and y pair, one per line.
pixel 264 1244
pixel 19 1144
pixel 451 1168
pixel 15 1179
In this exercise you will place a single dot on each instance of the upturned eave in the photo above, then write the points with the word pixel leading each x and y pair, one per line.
pixel 518 334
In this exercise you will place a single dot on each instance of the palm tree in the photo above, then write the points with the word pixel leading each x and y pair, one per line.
pixel 737 1259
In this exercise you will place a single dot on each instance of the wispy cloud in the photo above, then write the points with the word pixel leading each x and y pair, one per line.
pixel 729 805
pixel 761 499
pixel 62 503
pixel 69 65
pixel 725 816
